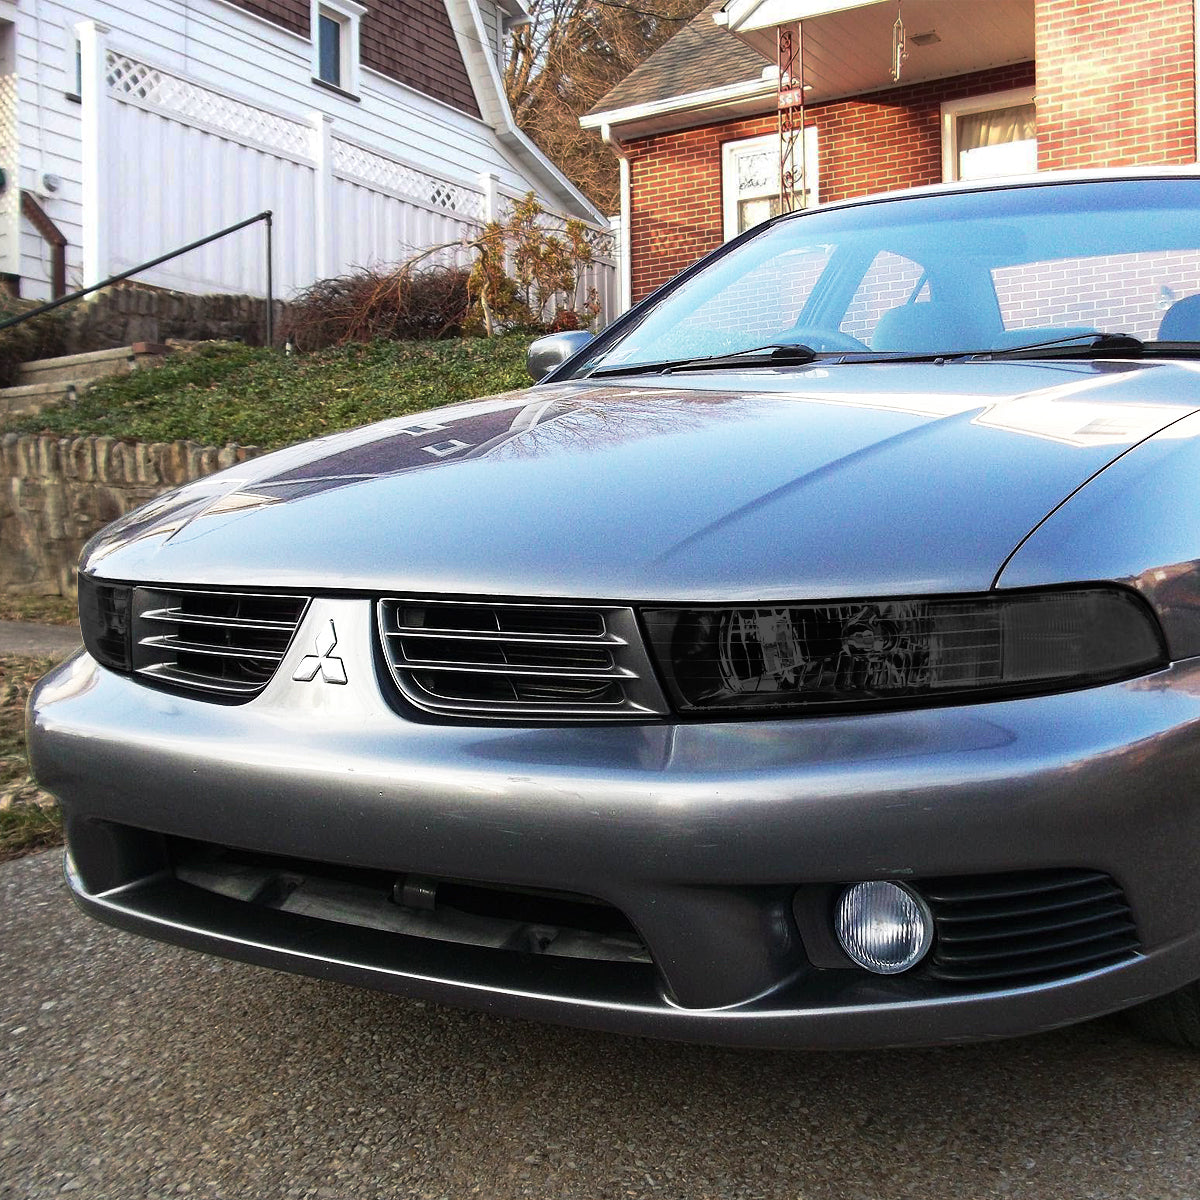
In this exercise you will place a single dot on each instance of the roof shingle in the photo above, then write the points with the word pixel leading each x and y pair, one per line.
pixel 700 56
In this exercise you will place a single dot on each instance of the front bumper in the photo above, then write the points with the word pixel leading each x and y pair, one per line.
pixel 699 834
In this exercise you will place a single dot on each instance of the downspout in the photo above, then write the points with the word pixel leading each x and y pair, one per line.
pixel 625 263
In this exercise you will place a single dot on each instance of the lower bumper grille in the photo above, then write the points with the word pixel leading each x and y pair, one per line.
pixel 529 921
pixel 1026 927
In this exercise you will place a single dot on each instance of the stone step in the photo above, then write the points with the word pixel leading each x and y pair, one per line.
pixel 28 399
pixel 95 364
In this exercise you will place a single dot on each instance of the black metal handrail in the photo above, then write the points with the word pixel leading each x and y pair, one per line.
pixel 162 258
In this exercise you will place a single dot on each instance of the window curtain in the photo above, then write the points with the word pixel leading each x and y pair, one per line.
pixel 998 141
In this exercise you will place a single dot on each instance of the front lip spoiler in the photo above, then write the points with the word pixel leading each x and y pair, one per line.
pixel 623 999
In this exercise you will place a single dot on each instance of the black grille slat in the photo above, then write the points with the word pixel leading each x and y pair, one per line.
pixel 1001 910
pixel 983 887
pixel 510 659
pixel 953 931
pixel 219 645
pixel 1026 927
pixel 1053 967
pixel 1030 947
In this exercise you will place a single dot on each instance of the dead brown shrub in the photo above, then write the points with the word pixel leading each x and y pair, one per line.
pixel 429 301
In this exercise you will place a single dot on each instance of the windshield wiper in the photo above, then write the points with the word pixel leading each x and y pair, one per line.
pixel 786 355
pixel 1076 345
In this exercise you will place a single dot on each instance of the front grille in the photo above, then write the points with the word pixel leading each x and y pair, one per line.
pixel 1026 927
pixel 529 921
pixel 222 645
pixel 519 660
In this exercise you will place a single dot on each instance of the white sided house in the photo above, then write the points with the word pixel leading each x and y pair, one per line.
pixel 131 127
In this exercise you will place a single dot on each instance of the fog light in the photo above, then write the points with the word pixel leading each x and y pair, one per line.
pixel 885 927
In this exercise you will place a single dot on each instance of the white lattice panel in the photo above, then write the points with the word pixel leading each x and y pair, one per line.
pixel 376 229
pixel 129 79
pixel 365 167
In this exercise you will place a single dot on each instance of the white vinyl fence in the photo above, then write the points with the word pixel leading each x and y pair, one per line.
pixel 167 161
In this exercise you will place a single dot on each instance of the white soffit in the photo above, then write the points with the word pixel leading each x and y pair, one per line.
pixel 747 15
pixel 847 44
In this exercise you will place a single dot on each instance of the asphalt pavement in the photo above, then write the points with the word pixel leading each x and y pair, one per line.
pixel 37 640
pixel 134 1070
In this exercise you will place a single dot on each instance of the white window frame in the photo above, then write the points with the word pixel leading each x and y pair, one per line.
pixel 953 109
pixel 770 141
pixel 347 14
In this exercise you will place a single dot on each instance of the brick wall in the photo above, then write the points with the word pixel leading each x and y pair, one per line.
pixel 56 492
pixel 885 141
pixel 1116 82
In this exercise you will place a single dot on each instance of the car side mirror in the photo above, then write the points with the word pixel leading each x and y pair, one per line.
pixel 553 350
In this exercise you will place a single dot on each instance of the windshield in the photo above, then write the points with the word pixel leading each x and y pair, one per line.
pixel 979 271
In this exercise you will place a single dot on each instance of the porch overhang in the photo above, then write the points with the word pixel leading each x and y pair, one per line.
pixel 847 44
pixel 727 103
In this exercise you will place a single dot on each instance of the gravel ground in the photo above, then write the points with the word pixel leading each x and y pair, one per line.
pixel 133 1070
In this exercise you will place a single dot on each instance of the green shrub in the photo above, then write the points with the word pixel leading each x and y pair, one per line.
pixel 222 392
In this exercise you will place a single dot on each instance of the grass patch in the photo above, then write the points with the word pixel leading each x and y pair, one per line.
pixel 222 392
pixel 48 610
pixel 17 676
pixel 25 824
pixel 28 828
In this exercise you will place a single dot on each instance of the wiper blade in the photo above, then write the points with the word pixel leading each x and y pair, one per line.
pixel 787 354
pixel 1077 345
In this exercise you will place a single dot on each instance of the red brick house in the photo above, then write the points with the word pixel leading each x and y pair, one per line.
pixel 986 87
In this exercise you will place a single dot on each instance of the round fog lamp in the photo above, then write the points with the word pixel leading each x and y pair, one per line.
pixel 885 927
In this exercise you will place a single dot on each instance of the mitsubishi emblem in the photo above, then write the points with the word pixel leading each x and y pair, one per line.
pixel 323 662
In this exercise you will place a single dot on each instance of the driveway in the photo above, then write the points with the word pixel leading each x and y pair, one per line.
pixel 136 1070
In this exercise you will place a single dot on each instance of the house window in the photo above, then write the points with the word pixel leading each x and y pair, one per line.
pixel 73 69
pixel 335 43
pixel 329 49
pixel 988 136
pixel 750 180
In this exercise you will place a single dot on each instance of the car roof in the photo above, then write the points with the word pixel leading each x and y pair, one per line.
pixel 1006 183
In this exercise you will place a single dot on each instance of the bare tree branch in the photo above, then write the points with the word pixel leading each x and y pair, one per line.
pixel 567 58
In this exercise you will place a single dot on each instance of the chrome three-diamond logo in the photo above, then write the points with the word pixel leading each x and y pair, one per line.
pixel 323 662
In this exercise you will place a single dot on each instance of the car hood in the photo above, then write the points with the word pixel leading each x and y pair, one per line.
pixel 827 481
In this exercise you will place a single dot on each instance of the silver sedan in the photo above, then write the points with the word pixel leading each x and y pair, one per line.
pixel 811 658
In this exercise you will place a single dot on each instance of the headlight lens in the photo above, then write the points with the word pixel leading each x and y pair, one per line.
pixel 104 621
pixel 880 651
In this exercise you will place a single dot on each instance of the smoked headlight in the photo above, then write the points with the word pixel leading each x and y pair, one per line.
pixel 904 650
pixel 104 621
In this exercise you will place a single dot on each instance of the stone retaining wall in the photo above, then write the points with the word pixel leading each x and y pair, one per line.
pixel 56 492
pixel 127 313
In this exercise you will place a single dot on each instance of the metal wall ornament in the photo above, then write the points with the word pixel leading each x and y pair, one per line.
pixel 899 45
pixel 791 119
